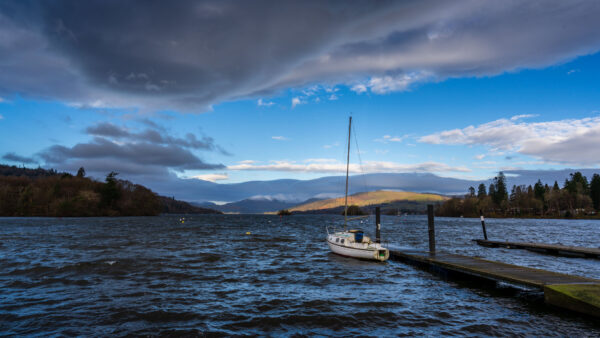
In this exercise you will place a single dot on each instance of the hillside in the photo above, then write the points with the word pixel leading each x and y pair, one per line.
pixel 379 197
pixel 48 193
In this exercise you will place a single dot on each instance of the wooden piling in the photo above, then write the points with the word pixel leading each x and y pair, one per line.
pixel 483 224
pixel 377 224
pixel 431 228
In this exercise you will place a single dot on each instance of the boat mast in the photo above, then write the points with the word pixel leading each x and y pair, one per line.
pixel 347 171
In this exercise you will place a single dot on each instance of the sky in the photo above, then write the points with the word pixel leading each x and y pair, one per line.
pixel 234 91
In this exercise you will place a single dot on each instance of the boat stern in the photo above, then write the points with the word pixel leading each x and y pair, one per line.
pixel 381 254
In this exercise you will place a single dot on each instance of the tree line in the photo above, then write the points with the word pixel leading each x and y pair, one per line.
pixel 578 197
pixel 37 192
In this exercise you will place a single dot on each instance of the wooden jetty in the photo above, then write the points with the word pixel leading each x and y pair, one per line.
pixel 579 294
pixel 552 249
pixel 575 293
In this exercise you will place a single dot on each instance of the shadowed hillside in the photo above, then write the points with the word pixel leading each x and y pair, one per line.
pixel 40 192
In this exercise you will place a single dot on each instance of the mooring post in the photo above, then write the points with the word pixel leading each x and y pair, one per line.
pixel 377 225
pixel 483 224
pixel 431 228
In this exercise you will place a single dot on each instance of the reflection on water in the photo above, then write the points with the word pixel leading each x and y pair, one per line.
pixel 154 275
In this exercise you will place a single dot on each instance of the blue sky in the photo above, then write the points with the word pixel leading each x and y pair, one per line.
pixel 437 94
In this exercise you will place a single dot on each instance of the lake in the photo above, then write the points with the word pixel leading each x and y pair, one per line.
pixel 206 276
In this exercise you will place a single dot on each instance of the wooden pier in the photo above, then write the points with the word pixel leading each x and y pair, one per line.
pixel 552 249
pixel 575 293
pixel 579 294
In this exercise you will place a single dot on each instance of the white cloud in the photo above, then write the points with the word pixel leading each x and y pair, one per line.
pixel 572 141
pixel 402 82
pixel 328 146
pixel 262 103
pixel 572 71
pixel 388 138
pixel 339 167
pixel 296 101
pixel 279 197
pixel 523 116
pixel 312 90
pixel 280 138
pixel 480 156
pixel 333 97
pixel 359 88
pixel 2 100
pixel 212 177
pixel 321 160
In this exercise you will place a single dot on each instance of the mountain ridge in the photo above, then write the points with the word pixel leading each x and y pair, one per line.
pixel 370 198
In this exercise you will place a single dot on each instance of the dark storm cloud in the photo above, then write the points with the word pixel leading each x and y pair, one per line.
pixel 151 124
pixel 189 54
pixel 150 152
pixel 107 129
pixel 168 156
pixel 16 158
pixel 160 136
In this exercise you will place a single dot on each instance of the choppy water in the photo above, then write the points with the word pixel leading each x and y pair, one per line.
pixel 156 276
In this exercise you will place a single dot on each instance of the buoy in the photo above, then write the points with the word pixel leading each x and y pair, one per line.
pixel 248 233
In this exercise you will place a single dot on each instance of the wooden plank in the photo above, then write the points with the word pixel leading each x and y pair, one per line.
pixel 555 249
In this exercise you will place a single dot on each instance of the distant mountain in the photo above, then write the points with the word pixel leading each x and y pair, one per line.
pixel 289 190
pixel 251 206
pixel 374 198
pixel 172 206
pixel 296 191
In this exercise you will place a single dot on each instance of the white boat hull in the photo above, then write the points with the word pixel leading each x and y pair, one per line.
pixel 370 252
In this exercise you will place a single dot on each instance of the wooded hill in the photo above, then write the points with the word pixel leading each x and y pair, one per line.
pixel 41 192
pixel 577 198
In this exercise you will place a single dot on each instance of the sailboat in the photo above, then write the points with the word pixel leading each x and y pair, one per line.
pixel 353 243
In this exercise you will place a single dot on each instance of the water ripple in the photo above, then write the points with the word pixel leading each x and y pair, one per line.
pixel 154 276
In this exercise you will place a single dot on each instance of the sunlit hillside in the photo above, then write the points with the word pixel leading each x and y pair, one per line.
pixel 370 198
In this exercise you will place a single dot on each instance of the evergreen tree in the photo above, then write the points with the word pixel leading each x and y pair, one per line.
pixel 481 191
pixel 578 184
pixel 471 192
pixel 595 191
pixel 513 193
pixel 81 172
pixel 555 187
pixel 501 194
pixel 492 191
pixel 110 191
pixel 539 190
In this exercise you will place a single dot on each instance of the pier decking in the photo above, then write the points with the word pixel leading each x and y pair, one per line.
pixel 553 249
pixel 575 293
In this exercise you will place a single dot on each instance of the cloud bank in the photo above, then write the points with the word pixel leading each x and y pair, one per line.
pixel 149 152
pixel 187 55
pixel 569 141
pixel 334 166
